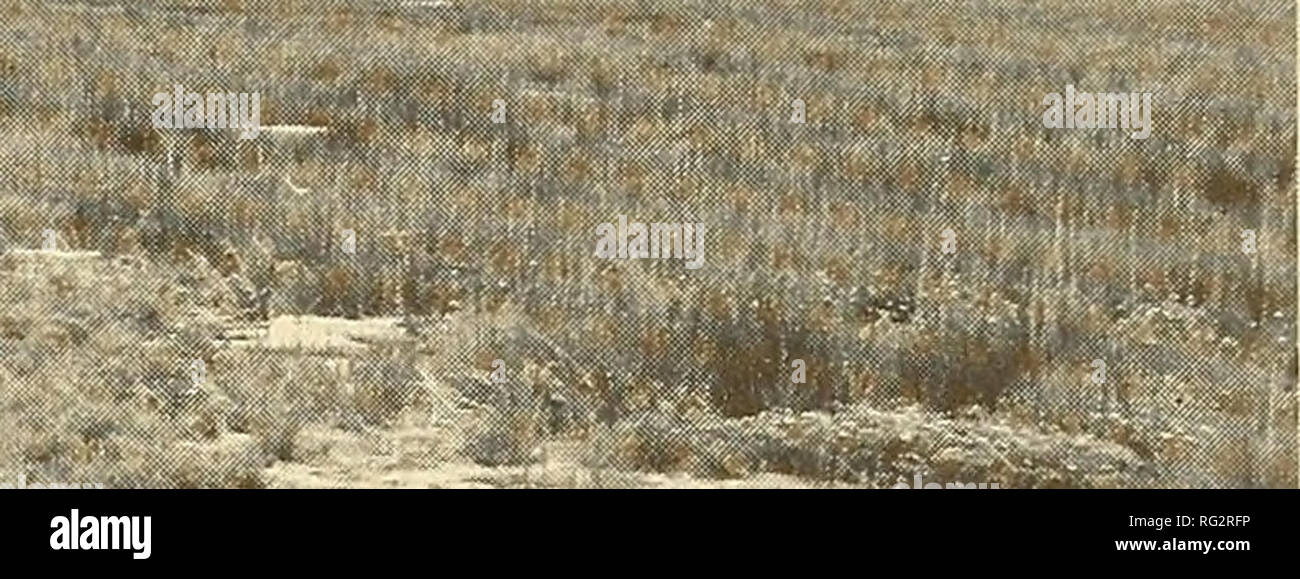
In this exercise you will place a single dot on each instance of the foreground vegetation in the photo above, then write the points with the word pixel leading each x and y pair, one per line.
pixel 1073 246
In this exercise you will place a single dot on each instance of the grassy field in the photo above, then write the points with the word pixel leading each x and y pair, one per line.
pixel 475 243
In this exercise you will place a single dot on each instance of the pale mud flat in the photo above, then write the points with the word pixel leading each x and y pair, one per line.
pixel 316 334
pixel 36 264
pixel 22 254
pixel 418 458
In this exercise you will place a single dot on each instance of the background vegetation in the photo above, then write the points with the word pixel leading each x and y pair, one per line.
pixel 822 239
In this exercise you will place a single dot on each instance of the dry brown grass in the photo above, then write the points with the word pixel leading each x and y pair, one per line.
pixel 679 110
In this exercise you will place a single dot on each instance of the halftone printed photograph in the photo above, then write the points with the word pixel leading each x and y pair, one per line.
pixel 668 244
